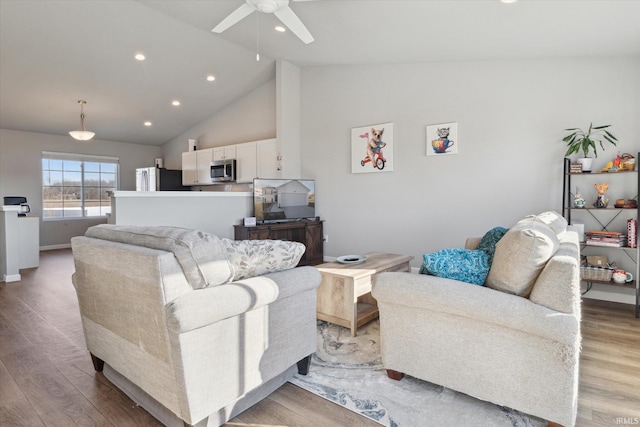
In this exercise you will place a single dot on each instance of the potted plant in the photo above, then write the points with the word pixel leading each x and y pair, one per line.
pixel 580 140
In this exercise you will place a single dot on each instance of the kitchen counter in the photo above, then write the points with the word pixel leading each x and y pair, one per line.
pixel 180 194
pixel 215 212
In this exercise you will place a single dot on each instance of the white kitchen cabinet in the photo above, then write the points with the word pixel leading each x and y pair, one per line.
pixel 196 167
pixel 268 165
pixel 246 162
pixel 190 168
pixel 224 153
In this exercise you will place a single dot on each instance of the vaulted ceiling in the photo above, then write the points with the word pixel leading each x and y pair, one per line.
pixel 53 53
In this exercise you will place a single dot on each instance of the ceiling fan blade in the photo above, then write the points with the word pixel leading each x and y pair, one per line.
pixel 292 22
pixel 235 16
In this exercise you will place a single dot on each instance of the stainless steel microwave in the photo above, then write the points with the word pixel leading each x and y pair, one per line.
pixel 223 171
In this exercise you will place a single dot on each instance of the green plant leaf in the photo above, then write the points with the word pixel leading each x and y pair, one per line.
pixel 571 150
pixel 610 135
pixel 601 127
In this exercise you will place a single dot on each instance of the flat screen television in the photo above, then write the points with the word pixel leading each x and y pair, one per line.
pixel 284 199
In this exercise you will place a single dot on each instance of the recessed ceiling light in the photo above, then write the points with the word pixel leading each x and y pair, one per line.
pixel 508 1
pixel 210 78
pixel 148 124
pixel 175 103
pixel 140 57
pixel 281 29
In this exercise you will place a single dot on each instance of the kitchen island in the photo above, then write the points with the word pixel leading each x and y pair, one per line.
pixel 215 212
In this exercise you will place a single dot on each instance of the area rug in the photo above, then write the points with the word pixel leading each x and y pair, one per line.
pixel 348 371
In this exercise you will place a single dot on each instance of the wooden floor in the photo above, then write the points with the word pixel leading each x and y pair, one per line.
pixel 46 376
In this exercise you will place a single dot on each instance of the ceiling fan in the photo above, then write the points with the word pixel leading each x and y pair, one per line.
pixel 280 8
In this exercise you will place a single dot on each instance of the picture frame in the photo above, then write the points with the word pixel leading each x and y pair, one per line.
pixel 372 148
pixel 442 139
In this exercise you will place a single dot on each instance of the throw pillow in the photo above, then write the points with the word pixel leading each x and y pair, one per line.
pixel 556 222
pixel 521 255
pixel 251 258
pixel 489 240
pixel 465 265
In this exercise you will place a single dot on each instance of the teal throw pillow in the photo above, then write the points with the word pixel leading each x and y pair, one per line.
pixel 465 265
pixel 489 240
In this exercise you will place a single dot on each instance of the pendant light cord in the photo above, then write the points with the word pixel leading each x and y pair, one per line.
pixel 257 37
pixel 82 115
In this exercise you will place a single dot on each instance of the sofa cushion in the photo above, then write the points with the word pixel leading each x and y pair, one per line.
pixel 251 258
pixel 521 255
pixel 465 265
pixel 201 255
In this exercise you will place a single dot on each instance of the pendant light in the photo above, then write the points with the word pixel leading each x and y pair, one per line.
pixel 82 135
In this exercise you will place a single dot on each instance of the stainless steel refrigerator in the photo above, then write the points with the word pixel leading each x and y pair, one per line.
pixel 159 179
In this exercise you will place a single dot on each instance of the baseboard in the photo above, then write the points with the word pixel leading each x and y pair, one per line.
pixel 11 277
pixel 54 247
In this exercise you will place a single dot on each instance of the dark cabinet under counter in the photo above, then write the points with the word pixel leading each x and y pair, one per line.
pixel 309 233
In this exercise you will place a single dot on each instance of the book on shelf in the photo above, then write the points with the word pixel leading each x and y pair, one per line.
pixel 606 244
pixel 606 238
pixel 605 233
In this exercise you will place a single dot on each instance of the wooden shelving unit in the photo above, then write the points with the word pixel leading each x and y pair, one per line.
pixel 604 221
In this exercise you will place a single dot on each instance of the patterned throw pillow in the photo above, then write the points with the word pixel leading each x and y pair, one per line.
pixel 489 241
pixel 251 258
pixel 465 265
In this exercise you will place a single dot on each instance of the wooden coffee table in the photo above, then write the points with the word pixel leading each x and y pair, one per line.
pixel 344 295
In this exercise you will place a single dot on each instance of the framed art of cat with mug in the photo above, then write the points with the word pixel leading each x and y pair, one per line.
pixel 442 139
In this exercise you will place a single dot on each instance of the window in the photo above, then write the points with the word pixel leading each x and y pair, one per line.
pixel 77 186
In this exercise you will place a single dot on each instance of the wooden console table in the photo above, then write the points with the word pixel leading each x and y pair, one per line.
pixel 344 295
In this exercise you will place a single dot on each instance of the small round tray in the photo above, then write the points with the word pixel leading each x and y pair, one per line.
pixel 351 259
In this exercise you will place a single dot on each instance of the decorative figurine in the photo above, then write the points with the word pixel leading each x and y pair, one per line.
pixel 601 201
pixel 578 201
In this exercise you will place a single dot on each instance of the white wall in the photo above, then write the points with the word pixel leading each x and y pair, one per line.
pixel 251 118
pixel 510 118
pixel 288 114
pixel 21 173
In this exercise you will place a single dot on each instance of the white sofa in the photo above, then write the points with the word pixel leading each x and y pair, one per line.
pixel 165 322
pixel 519 351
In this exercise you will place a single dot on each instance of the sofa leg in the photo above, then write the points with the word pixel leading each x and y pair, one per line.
pixel 394 375
pixel 98 364
pixel 552 424
pixel 303 365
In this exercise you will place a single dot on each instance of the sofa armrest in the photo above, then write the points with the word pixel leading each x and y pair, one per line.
pixel 472 242
pixel 482 304
pixel 206 306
